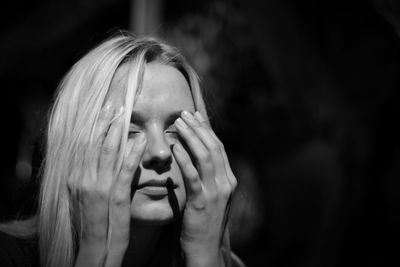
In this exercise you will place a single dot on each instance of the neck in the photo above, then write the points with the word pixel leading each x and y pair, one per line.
pixel 143 245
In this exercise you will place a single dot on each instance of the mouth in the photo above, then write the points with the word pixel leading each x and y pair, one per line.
pixel 167 183
pixel 156 188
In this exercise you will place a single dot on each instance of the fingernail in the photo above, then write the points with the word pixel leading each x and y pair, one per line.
pixel 187 115
pixel 180 123
pixel 199 117
pixel 121 110
pixel 107 106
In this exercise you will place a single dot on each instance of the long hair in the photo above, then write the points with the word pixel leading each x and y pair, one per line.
pixel 73 117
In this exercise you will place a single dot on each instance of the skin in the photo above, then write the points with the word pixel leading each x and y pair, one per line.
pixel 164 95
pixel 169 140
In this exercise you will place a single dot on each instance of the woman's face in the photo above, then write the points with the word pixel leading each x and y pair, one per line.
pixel 158 191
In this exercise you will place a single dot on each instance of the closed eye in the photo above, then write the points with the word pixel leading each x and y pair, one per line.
pixel 171 131
pixel 132 134
pixel 133 131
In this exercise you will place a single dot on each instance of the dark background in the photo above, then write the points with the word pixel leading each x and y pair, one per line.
pixel 304 95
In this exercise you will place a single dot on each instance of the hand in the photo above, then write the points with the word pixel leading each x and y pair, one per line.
pixel 209 184
pixel 104 192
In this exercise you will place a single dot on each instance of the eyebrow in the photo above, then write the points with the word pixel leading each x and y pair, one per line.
pixel 139 118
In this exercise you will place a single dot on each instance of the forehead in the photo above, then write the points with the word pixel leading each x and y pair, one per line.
pixel 164 89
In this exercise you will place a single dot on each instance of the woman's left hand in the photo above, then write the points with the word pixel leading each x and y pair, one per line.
pixel 209 184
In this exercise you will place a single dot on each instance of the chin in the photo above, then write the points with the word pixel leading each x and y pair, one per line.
pixel 155 212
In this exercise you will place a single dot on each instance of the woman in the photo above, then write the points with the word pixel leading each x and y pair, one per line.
pixel 133 173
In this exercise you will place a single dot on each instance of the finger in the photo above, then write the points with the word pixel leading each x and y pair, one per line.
pixel 193 184
pixel 203 131
pixel 227 168
pixel 129 166
pixel 100 132
pixel 230 175
pixel 109 150
pixel 200 153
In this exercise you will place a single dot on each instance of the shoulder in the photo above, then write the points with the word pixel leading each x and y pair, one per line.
pixel 16 252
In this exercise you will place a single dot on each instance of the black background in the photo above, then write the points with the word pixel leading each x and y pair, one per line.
pixel 304 95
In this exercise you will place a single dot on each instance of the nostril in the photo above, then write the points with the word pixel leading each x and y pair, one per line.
pixel 157 154
pixel 159 164
pixel 168 161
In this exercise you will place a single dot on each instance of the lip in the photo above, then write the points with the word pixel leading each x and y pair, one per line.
pixel 156 189
pixel 165 183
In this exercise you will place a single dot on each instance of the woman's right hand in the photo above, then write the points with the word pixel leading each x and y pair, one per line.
pixel 105 193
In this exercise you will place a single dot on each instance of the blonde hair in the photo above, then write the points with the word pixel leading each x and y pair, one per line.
pixel 73 118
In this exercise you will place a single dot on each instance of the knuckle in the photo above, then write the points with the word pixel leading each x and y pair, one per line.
pixel 119 199
pixel 101 191
pixel 130 166
pixel 205 157
pixel 97 190
pixel 197 205
pixel 196 186
pixel 226 188
pixel 108 150
pixel 221 145
pixel 197 125
pixel 193 175
pixel 214 147
pixel 226 191
pixel 234 184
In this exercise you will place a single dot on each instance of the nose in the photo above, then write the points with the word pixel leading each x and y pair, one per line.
pixel 157 155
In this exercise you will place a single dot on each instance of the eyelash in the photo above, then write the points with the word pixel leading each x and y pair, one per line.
pixel 132 133
pixel 173 134
pixel 172 130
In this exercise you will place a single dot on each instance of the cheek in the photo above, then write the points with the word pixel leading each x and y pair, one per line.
pixel 180 191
